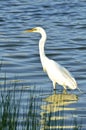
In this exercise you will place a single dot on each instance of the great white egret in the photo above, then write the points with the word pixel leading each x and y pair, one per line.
pixel 57 73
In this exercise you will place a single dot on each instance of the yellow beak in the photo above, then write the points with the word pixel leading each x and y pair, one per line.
pixel 30 30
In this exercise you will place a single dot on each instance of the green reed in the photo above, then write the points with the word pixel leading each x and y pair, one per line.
pixel 10 112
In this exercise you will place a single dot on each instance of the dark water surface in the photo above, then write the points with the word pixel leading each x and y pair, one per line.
pixel 65 24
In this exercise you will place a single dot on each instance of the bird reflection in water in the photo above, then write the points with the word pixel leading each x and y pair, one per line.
pixel 56 113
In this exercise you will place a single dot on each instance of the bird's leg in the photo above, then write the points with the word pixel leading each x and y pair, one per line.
pixel 54 87
pixel 54 91
pixel 65 90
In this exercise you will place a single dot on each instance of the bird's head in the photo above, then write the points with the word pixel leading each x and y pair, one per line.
pixel 36 29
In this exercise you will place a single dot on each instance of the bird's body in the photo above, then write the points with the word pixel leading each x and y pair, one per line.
pixel 57 73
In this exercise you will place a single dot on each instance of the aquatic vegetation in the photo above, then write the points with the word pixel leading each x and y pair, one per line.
pixel 10 115
pixel 38 113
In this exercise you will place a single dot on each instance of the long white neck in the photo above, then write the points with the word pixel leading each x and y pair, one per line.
pixel 42 43
pixel 41 48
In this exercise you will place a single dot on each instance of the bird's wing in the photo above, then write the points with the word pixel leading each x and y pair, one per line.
pixel 67 75
pixel 61 69
pixel 64 72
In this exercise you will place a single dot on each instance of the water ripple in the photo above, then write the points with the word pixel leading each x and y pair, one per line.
pixel 65 24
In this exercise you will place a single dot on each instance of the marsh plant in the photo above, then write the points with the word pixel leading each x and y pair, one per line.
pixel 10 114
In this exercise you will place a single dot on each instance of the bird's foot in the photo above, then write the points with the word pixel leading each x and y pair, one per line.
pixel 64 91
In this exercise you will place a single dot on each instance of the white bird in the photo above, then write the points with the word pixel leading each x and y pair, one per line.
pixel 57 73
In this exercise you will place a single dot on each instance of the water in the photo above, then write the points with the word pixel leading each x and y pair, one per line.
pixel 65 25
